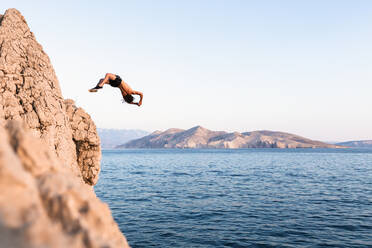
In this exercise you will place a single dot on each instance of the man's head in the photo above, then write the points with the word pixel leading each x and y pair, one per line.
pixel 128 98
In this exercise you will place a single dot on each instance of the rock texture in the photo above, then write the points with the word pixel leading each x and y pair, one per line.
pixel 49 154
pixel 42 204
pixel 30 92
pixel 199 137
pixel 85 136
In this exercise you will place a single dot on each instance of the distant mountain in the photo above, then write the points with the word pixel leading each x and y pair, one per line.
pixel 110 138
pixel 199 137
pixel 357 143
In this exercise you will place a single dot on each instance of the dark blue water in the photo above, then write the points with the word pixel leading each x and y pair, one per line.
pixel 240 198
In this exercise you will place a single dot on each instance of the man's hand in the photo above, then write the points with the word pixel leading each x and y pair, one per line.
pixel 141 95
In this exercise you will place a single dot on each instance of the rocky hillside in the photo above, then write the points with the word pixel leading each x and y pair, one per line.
pixel 110 138
pixel 49 154
pixel 199 137
pixel 357 143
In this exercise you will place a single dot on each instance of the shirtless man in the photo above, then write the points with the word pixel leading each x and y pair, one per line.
pixel 116 81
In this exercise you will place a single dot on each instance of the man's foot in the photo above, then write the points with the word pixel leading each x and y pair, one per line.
pixel 95 89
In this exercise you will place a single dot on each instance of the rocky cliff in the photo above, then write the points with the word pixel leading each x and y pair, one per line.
pixel 199 137
pixel 49 154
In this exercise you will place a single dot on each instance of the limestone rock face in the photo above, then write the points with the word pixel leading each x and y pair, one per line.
pixel 29 91
pixel 42 204
pixel 84 134
pixel 49 154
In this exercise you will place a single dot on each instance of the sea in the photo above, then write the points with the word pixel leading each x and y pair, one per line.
pixel 240 197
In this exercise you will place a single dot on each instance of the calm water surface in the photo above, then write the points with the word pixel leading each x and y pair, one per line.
pixel 240 198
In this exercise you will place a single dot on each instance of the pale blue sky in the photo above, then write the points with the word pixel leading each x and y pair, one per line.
pixel 303 67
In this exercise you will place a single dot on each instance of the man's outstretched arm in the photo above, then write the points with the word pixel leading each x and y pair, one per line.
pixel 141 97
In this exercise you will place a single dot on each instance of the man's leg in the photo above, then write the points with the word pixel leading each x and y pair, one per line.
pixel 103 81
pixel 98 86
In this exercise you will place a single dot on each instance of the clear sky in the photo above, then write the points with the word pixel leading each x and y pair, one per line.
pixel 303 67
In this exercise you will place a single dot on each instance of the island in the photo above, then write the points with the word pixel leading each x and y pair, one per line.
pixel 200 137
